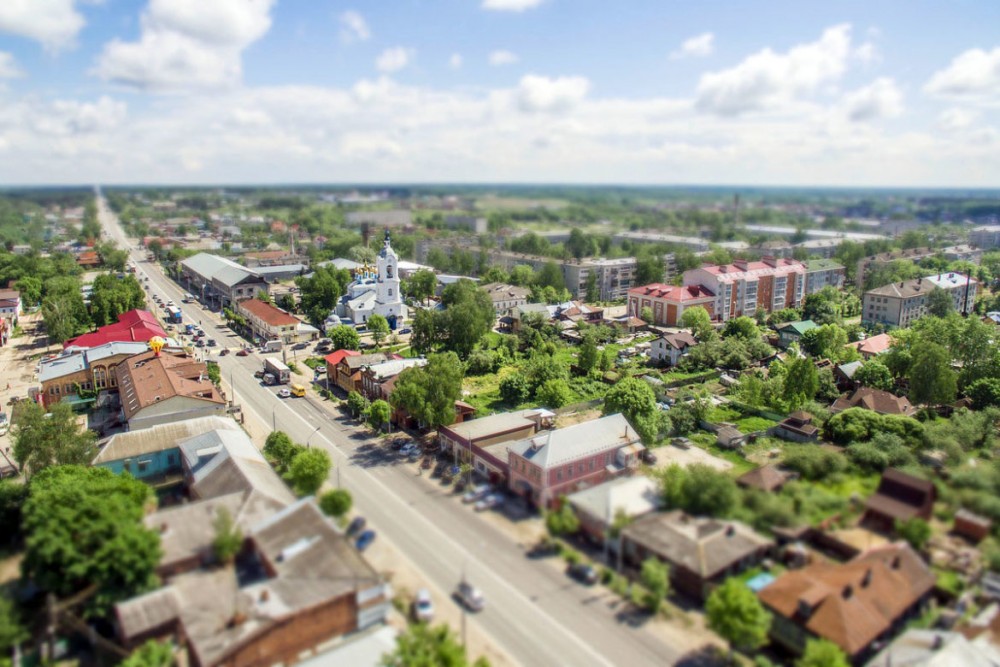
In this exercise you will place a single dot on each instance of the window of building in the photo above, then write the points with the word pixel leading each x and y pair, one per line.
pixel 100 377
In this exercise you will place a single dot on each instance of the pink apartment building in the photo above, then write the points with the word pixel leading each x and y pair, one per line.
pixel 744 287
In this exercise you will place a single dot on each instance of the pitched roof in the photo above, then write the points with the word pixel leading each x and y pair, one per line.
pixel 853 603
pixel 703 545
pixel 491 425
pixel 354 362
pixel 798 327
pixel 335 358
pixel 504 292
pixel 766 478
pixel 221 269
pixel 673 292
pixel 634 496
pixel 134 325
pixel 268 313
pixel 873 344
pixel 224 462
pixel 936 648
pixel 131 444
pixel 564 445
pixel 875 400
pixel 900 495
pixel 679 340
pixel 392 368
pixel 146 379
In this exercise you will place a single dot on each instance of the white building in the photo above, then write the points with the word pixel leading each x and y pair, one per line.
pixel 376 293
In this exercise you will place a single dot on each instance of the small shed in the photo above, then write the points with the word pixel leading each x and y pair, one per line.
pixel 971 526
pixel 729 437
pixel 769 478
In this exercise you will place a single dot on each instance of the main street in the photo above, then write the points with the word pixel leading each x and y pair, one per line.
pixel 534 613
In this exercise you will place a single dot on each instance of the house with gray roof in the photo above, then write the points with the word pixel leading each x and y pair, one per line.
pixel 701 551
pixel 220 281
pixel 220 462
pixel 551 464
pixel 599 507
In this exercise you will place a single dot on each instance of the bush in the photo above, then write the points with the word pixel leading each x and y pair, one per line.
pixel 514 389
pixel 885 450
pixel 482 362
pixel 554 394
pixel 336 503
pixel 812 462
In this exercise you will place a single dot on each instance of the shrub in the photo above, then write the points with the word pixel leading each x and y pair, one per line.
pixel 812 462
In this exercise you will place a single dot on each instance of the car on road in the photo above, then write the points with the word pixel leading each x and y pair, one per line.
pixel 243 352
pixel 544 548
pixel 585 573
pixel 364 540
pixel 405 331
pixel 356 526
pixel 491 501
pixel 224 351
pixel 470 597
pixel 423 607
pixel 211 342
pixel 259 374
pixel 408 448
pixel 300 346
pixel 200 343
pixel 284 392
pixel 476 493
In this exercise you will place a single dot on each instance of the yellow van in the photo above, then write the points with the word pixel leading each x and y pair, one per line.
pixel 298 390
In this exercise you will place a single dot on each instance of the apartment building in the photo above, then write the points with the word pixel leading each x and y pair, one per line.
pixel 744 287
pixel 900 304
pixel 668 302
pixel 951 253
pixel 985 237
pixel 268 322
pixel 822 273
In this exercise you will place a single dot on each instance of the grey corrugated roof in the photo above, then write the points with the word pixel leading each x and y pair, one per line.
pixel 230 276
pixel 634 496
pixel 553 448
pixel 236 466
pixel 475 429
pixel 214 267
pixel 160 437
pixel 61 366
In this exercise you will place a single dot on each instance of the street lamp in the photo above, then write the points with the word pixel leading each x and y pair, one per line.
pixel 274 425
pixel 311 435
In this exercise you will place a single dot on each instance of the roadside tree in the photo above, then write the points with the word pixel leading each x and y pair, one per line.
pixel 308 471
pixel 49 439
pixel 738 616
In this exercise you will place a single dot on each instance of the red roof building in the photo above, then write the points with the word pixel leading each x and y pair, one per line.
pixel 745 287
pixel 668 302
pixel 88 258
pixel 133 326
pixel 332 361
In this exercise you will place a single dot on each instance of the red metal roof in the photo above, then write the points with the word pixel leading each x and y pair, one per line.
pixel 267 313
pixel 673 292
pixel 133 326
pixel 335 358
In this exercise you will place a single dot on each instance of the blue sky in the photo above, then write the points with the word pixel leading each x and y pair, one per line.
pixel 773 93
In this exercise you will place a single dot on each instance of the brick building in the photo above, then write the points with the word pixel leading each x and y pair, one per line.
pixel 744 287
pixel 668 302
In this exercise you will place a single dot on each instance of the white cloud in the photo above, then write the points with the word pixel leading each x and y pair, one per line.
pixel 455 62
pixel 541 93
pixel 867 53
pixel 187 44
pixel 698 46
pixel 972 74
pixel 767 79
pixel 8 67
pixel 502 57
pixel 954 119
pixel 353 27
pixel 510 5
pixel 53 23
pixel 881 99
pixel 394 59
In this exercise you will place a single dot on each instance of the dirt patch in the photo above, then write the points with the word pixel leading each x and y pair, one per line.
pixel 571 418
pixel 684 457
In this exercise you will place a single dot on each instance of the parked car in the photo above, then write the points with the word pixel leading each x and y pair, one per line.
pixel 224 351
pixel 423 607
pixel 399 444
pixel 200 343
pixel 284 392
pixel 405 331
pixel 259 373
pixel 409 447
pixel 470 597
pixel 4 424
pixel 489 502
pixel 585 573
pixel 543 549
pixel 356 526
pixel 211 342
pixel 364 540
pixel 300 346
pixel 648 457
pixel 476 493
pixel 243 352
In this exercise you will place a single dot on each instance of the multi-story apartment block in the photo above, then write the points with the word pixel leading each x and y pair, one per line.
pixel 743 287
pixel 951 253
pixel 668 302
pixel 693 243
pixel 821 273
pixel 985 237
pixel 900 304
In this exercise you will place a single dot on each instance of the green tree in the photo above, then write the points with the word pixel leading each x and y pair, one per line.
pixel 873 373
pixel 742 327
pixel 379 327
pixel 50 439
pixel 554 394
pixel 823 307
pixel 428 393
pixel 939 303
pixel 422 284
pixel 801 382
pixel 649 266
pixel 336 503
pixel 12 630
pixel 915 531
pixel 634 399
pixel 551 275
pixel 357 404
pixel 984 393
pixel 379 413
pixel 655 576
pixel 522 275
pixel 822 653
pixel 228 538
pixel 932 380
pixel 308 471
pixel 699 322
pixel 579 245
pixel 514 389
pixel 151 654
pixel 587 357
pixel 593 289
pixel 562 521
pixel 735 613
pixel 83 526
pixel 646 315
pixel 826 341
pixel 318 294
pixel 344 337
pixel 111 297
pixel 468 316
pixel 422 645
pixel 427 330
pixel 708 492
pixel 280 450
pixel 30 288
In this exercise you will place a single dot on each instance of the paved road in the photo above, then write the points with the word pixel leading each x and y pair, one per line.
pixel 534 613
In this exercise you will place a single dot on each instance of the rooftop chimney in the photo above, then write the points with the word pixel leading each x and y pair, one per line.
pixel 867 579
pixel 847 592
pixel 896 562
pixel 740 264
pixel 770 261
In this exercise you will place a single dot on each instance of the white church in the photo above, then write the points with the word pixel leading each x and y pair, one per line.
pixel 376 293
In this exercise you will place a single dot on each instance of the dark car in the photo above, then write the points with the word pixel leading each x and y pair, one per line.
pixel 583 572
pixel 259 373
pixel 405 331
pixel 211 342
pixel 364 540
pixel 356 526
pixel 544 549
pixel 243 352
pixel 300 346
pixel 224 351
pixel 648 457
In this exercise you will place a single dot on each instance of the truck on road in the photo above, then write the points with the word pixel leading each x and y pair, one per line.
pixel 272 346
pixel 282 374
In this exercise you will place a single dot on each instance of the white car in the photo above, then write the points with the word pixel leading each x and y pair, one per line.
pixel 284 393
pixel 489 502
pixel 409 449
pixel 423 607
pixel 476 494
